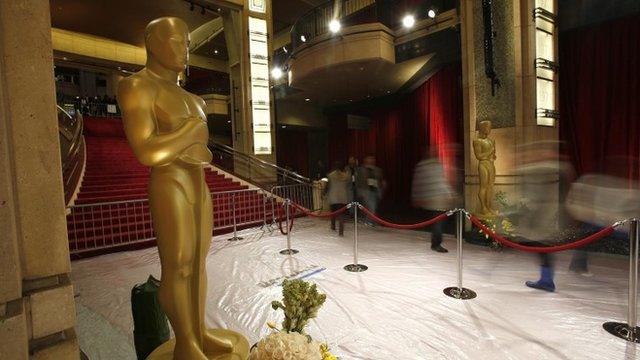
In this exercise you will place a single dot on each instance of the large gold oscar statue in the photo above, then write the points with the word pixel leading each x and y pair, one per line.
pixel 485 151
pixel 166 128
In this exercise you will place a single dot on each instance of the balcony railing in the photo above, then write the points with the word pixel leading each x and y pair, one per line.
pixel 355 12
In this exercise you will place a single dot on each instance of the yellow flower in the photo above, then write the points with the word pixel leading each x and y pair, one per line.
pixel 326 355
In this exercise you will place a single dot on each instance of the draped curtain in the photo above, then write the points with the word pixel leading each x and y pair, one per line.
pixel 401 133
pixel 600 97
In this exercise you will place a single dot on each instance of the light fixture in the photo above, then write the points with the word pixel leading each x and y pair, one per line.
pixel 307 99
pixel 334 26
pixel 431 13
pixel 215 51
pixel 303 38
pixel 284 48
pixel 408 21
pixel 276 73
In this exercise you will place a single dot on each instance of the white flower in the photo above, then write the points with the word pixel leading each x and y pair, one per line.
pixel 286 346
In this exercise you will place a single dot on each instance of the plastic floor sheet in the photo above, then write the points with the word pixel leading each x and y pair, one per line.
pixel 396 309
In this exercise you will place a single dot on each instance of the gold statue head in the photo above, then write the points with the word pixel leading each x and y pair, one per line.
pixel 484 127
pixel 167 43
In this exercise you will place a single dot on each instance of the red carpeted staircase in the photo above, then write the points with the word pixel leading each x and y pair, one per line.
pixel 111 211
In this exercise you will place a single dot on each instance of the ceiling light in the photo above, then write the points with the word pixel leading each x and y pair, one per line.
pixel 276 73
pixel 303 38
pixel 215 51
pixel 431 13
pixel 408 21
pixel 334 26
pixel 307 99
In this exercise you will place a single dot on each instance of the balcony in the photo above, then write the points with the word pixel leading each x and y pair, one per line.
pixel 353 50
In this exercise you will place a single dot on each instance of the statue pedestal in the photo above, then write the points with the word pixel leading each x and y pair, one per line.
pixel 240 347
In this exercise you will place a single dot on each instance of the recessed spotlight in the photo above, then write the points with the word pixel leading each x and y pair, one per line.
pixel 303 38
pixel 408 21
pixel 388 91
pixel 228 121
pixel 284 126
pixel 307 99
pixel 431 13
pixel 215 51
pixel 276 73
pixel 334 26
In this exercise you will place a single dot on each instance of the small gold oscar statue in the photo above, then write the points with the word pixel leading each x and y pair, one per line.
pixel 485 151
pixel 166 128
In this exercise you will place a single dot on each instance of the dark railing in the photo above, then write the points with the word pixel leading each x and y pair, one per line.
pixel 269 177
pixel 72 150
pixel 316 21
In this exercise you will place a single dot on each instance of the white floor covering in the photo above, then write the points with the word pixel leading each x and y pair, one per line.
pixel 396 310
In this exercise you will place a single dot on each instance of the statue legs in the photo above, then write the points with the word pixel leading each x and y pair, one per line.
pixel 487 176
pixel 210 343
pixel 174 222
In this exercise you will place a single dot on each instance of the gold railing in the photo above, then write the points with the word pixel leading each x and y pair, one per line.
pixel 72 151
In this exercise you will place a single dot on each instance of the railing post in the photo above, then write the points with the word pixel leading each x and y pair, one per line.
pixel 355 267
pixel 235 227
pixel 288 250
pixel 630 331
pixel 459 292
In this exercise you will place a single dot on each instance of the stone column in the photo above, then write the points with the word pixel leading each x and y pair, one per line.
pixel 236 30
pixel 512 108
pixel 37 310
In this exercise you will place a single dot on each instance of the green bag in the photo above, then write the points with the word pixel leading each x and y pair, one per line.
pixel 150 325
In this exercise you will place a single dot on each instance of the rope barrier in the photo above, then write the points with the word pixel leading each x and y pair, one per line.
pixel 542 249
pixel 291 216
pixel 476 221
pixel 320 215
pixel 404 226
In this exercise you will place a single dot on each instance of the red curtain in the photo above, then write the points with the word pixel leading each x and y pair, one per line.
pixel 292 148
pixel 400 133
pixel 600 97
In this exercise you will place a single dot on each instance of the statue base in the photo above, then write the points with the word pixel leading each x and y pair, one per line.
pixel 240 347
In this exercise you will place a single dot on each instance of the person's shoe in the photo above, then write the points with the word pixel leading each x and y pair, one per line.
pixel 546 281
pixel 439 248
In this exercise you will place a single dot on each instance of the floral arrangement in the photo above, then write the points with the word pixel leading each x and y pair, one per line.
pixel 300 303
pixel 506 222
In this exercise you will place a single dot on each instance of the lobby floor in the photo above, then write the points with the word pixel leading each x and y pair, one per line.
pixel 395 310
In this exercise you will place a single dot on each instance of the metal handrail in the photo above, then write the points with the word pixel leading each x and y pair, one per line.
pixel 261 163
pixel 72 156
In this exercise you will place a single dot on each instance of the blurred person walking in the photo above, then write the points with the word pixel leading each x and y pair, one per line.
pixel 546 214
pixel 338 193
pixel 431 191
pixel 370 185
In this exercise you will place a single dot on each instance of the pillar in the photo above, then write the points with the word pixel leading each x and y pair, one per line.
pixel 37 310
pixel 513 106
pixel 247 83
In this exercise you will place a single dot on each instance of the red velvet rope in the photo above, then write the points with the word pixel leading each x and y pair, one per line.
pixel 404 226
pixel 542 249
pixel 320 215
pixel 292 212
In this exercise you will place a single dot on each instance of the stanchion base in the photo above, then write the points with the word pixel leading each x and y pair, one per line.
pixel 235 238
pixel 356 267
pixel 623 331
pixel 458 293
pixel 289 252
